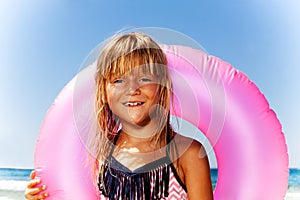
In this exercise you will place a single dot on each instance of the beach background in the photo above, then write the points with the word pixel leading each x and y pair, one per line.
pixel 43 44
pixel 13 181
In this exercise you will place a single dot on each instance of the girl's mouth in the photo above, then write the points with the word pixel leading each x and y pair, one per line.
pixel 132 104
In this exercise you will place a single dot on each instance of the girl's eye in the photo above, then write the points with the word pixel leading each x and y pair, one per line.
pixel 118 81
pixel 145 79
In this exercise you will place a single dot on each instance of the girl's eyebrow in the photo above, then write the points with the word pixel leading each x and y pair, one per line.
pixel 145 73
pixel 113 77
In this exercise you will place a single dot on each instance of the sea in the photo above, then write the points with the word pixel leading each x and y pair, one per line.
pixel 13 182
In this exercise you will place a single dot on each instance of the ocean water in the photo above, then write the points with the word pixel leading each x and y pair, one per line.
pixel 13 182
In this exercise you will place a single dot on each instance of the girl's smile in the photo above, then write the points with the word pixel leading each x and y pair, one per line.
pixel 133 104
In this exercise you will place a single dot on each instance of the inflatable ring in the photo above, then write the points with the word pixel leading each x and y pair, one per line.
pixel 244 132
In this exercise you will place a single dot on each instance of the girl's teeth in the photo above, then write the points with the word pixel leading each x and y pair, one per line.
pixel 133 104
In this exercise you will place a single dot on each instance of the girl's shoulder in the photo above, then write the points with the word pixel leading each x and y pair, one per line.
pixel 190 153
pixel 186 145
pixel 194 168
pixel 189 150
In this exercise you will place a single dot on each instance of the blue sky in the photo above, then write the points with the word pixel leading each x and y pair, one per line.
pixel 43 43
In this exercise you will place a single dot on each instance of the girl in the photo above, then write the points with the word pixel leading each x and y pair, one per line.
pixel 138 155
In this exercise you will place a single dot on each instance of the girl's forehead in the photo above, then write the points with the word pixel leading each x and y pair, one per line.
pixel 134 71
pixel 128 63
pixel 138 64
pixel 141 69
pixel 135 65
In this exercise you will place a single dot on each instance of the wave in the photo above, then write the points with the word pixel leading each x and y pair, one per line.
pixel 13 185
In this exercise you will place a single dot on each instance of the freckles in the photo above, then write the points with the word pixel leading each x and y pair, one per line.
pixel 113 94
pixel 110 89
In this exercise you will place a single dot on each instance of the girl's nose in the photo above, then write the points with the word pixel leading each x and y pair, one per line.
pixel 133 88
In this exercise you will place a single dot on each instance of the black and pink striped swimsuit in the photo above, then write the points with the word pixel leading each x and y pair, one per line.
pixel 155 180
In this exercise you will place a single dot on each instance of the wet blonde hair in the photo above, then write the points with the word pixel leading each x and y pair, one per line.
pixel 120 54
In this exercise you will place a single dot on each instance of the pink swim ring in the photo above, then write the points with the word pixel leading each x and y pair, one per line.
pixel 219 100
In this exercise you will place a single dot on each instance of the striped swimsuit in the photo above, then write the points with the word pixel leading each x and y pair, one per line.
pixel 153 181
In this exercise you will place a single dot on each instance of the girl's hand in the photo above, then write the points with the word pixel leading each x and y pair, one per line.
pixel 32 192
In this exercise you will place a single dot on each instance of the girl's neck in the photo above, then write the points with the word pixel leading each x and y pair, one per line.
pixel 135 133
pixel 134 152
pixel 133 138
pixel 140 140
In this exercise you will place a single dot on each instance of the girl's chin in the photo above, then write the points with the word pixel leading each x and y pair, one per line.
pixel 137 121
pixel 140 122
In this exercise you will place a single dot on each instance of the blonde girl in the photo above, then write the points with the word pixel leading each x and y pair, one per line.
pixel 138 155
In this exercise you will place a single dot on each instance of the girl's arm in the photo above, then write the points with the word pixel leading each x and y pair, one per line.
pixel 196 172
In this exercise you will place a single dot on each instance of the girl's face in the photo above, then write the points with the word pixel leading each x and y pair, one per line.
pixel 133 97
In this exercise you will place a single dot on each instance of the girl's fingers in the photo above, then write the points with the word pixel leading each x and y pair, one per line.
pixel 39 196
pixel 32 175
pixel 36 190
pixel 33 193
pixel 32 183
pixel 36 197
pixel 42 196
